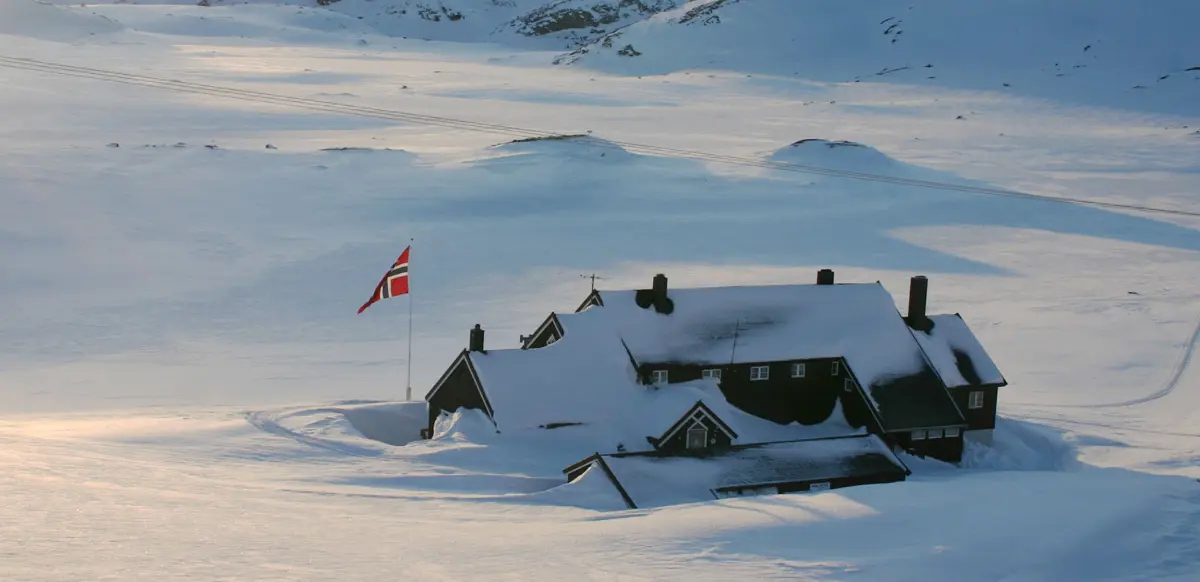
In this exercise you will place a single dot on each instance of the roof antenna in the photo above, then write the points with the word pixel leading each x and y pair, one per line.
pixel 594 278
pixel 736 326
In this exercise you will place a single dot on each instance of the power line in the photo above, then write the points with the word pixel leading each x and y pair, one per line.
pixel 526 133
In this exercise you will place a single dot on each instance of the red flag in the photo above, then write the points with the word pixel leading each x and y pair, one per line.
pixel 394 283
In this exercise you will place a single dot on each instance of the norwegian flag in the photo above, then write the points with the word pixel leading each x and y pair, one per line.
pixel 394 283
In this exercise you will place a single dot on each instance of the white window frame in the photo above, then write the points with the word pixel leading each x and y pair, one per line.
pixel 656 374
pixel 765 373
pixel 819 486
pixel 714 373
pixel 919 435
pixel 976 399
pixel 848 385
pixel 836 369
pixel 951 433
pixel 551 339
pixel 798 369
pixel 696 428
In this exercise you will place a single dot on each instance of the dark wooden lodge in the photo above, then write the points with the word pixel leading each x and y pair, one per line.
pixel 789 355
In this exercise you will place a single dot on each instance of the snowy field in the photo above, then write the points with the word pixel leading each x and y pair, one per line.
pixel 186 392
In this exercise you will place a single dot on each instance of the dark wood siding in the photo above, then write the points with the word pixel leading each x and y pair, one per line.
pixel 780 398
pixel 948 449
pixel 834 483
pixel 978 418
pixel 458 391
pixel 717 439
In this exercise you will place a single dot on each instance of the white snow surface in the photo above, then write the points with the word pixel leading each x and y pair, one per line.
pixel 186 393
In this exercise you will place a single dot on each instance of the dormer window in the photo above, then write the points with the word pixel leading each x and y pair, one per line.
pixel 697 437
pixel 658 377
pixel 797 369
pixel 760 372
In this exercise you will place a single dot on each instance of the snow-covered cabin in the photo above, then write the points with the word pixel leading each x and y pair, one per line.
pixel 663 370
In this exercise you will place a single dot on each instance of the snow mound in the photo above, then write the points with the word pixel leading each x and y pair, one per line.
pixel 1021 446
pixel 835 155
pixel 464 425
pixel 591 490
pixel 579 147
pixel 34 19
pixel 354 427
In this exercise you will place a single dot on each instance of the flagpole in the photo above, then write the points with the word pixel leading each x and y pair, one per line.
pixel 408 387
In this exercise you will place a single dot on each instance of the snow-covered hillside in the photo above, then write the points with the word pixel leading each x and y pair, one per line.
pixel 186 392
pixel 1107 53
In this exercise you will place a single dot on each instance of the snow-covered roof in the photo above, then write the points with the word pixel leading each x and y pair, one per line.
pixel 655 481
pixel 738 325
pixel 588 378
pixel 957 354
pixel 741 325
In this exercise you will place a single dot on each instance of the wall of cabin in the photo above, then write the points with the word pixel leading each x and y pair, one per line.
pixel 458 391
pixel 678 442
pixel 780 398
pixel 942 448
pixel 977 418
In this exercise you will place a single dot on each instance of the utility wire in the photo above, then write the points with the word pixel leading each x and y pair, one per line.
pixel 35 65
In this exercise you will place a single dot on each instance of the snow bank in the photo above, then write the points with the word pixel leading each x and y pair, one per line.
pixel 43 21
pixel 354 427
pixel 1021 446
pixel 464 424
pixel 591 490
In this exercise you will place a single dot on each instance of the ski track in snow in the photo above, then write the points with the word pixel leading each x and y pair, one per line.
pixel 1181 367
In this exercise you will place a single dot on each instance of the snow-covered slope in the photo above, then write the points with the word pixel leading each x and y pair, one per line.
pixel 1110 53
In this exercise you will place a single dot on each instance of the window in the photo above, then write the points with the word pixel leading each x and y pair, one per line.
pixel 551 340
pixel 714 373
pixel 934 434
pixel 760 372
pixel 835 369
pixel 918 435
pixel 849 385
pixel 819 486
pixel 658 377
pixel 975 400
pixel 697 437
pixel 951 433
pixel 797 369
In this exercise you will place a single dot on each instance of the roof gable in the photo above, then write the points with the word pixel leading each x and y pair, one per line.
pixel 698 410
